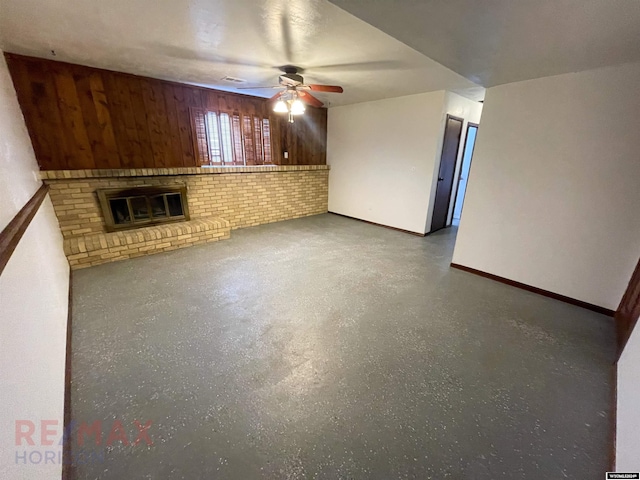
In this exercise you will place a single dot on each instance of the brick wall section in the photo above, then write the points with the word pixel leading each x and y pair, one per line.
pixel 219 200
pixel 243 199
pixel 95 249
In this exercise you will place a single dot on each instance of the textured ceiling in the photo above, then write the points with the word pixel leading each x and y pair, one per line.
pixel 492 42
pixel 202 41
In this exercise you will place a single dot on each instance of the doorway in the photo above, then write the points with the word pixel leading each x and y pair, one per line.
pixel 446 173
pixel 463 177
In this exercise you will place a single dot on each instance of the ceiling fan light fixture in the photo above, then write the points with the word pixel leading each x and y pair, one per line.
pixel 280 107
pixel 297 107
pixel 294 88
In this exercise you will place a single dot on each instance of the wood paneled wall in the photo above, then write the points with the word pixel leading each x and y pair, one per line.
pixel 628 313
pixel 84 118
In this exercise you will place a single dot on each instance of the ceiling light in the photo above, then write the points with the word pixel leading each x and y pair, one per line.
pixel 297 107
pixel 280 107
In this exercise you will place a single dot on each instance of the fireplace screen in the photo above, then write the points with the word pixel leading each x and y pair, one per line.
pixel 143 206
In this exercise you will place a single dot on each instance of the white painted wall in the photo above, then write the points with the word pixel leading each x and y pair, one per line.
pixel 628 414
pixel 33 300
pixel 382 156
pixel 385 157
pixel 553 196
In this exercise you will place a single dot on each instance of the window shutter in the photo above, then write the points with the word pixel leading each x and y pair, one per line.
pixel 266 141
pixel 257 135
pixel 249 152
pixel 236 132
pixel 199 134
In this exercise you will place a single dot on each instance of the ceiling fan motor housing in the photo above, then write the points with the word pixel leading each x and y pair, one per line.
pixel 291 79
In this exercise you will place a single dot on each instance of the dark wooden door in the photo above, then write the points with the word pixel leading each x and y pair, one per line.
pixel 450 145
pixel 629 310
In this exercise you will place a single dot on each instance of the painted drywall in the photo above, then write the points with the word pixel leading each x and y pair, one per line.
pixel 628 413
pixel 469 111
pixel 553 195
pixel 19 178
pixel 385 157
pixel 382 156
pixel 33 306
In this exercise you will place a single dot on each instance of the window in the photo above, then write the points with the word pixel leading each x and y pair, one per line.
pixel 222 138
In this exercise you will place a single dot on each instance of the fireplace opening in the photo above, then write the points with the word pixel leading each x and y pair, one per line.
pixel 143 206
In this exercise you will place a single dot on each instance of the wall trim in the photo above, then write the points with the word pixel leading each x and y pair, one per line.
pixel 380 225
pixel 67 467
pixel 539 291
pixel 614 416
pixel 156 172
pixel 12 233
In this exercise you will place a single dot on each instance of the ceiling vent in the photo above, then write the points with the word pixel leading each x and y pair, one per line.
pixel 233 79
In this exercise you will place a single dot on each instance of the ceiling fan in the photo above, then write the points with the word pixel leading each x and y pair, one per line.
pixel 295 92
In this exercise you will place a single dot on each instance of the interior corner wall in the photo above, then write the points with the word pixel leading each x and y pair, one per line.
pixel 628 414
pixel 382 156
pixel 469 111
pixel 553 196
pixel 33 306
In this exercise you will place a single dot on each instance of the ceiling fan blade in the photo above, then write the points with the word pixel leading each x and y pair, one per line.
pixel 326 88
pixel 287 37
pixel 310 99
pixel 361 66
pixel 275 97
pixel 256 88
pixel 183 53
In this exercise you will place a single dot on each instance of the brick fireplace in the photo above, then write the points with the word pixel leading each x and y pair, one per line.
pixel 217 200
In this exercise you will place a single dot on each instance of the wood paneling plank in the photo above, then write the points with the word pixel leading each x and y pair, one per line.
pixel 211 101
pixel 104 120
pixel 90 117
pixel 79 153
pixel 121 89
pixel 48 114
pixel 276 140
pixel 22 83
pixel 123 136
pixel 174 125
pixel 142 124
pixel 184 127
pixel 158 125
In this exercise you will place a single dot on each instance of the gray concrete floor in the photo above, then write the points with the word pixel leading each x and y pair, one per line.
pixel 329 348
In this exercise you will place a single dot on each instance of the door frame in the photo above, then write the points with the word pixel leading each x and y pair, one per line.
pixel 464 150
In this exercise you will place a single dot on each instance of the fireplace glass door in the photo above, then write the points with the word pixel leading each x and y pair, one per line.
pixel 142 206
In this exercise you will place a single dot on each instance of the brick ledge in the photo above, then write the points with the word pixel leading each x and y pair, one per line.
pixel 154 172
pixel 98 248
